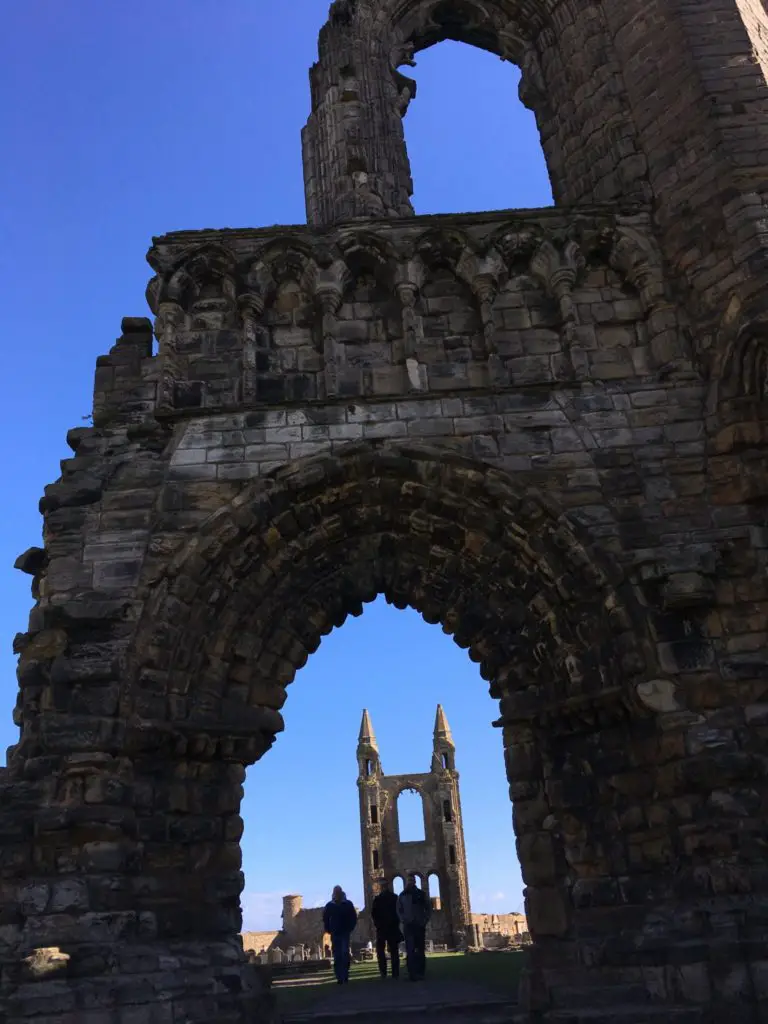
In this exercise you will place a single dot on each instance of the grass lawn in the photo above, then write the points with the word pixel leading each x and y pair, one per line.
pixel 498 972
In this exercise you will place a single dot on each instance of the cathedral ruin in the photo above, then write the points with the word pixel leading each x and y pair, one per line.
pixel 439 860
pixel 441 856
pixel 543 429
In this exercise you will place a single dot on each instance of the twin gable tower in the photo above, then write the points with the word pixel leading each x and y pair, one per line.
pixel 439 860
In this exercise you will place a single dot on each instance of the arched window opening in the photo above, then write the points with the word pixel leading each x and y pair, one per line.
pixel 470 137
pixel 410 816
pixel 451 854
pixel 412 667
pixel 435 895
pixel 447 812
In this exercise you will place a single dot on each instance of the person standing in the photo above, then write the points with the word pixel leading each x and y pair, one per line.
pixel 339 920
pixel 387 925
pixel 413 910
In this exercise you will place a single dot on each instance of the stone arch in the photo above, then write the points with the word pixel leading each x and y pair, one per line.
pixel 425 527
pixel 276 311
pixel 412 792
pixel 554 627
pixel 367 353
pixel 741 364
pixel 737 403
pixel 571 80
pixel 453 268
pixel 286 257
pixel 204 278
pixel 434 888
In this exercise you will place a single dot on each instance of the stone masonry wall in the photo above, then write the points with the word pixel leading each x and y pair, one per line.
pixel 259 942
pixel 497 929
pixel 566 379
pixel 544 430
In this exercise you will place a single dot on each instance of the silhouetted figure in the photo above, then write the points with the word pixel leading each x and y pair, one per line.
pixel 387 925
pixel 413 909
pixel 339 920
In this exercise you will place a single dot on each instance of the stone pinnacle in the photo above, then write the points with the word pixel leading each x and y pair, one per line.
pixel 367 736
pixel 442 729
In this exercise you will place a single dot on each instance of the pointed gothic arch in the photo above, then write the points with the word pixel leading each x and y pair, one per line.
pixel 240 608
pixel 425 527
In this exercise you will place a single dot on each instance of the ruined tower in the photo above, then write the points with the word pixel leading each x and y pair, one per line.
pixel 545 430
pixel 439 860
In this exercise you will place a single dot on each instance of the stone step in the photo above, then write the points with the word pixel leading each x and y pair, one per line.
pixel 635 1013
pixel 485 1012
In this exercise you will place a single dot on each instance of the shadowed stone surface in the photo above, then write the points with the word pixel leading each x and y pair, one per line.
pixel 545 430
pixel 452 1001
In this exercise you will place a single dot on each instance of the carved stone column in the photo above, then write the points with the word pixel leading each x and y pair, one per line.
pixel 407 283
pixel 558 270
pixel 330 281
pixel 170 317
pixel 635 258
pixel 255 342
pixel 483 276
pixel 486 289
pixel 412 335
pixel 329 301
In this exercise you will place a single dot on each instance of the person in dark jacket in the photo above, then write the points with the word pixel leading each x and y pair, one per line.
pixel 414 911
pixel 387 925
pixel 339 920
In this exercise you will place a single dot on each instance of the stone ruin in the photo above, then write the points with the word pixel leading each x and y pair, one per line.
pixel 439 861
pixel 543 429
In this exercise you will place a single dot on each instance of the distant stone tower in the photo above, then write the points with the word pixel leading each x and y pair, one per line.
pixel 441 853
pixel 292 907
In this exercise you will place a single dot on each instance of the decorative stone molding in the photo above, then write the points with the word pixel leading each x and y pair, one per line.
pixel 169 321
pixel 255 341
pixel 558 270
pixel 482 274
pixel 634 256
pixel 743 371
pixel 330 283
pixel 409 277
pixel 203 285
pixel 517 243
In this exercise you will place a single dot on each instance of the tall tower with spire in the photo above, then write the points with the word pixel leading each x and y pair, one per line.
pixel 369 784
pixel 439 859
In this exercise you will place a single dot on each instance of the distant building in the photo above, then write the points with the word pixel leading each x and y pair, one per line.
pixel 439 860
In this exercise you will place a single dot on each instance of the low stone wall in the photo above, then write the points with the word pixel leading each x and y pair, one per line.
pixel 258 942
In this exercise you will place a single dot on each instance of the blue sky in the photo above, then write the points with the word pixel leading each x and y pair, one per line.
pixel 126 120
